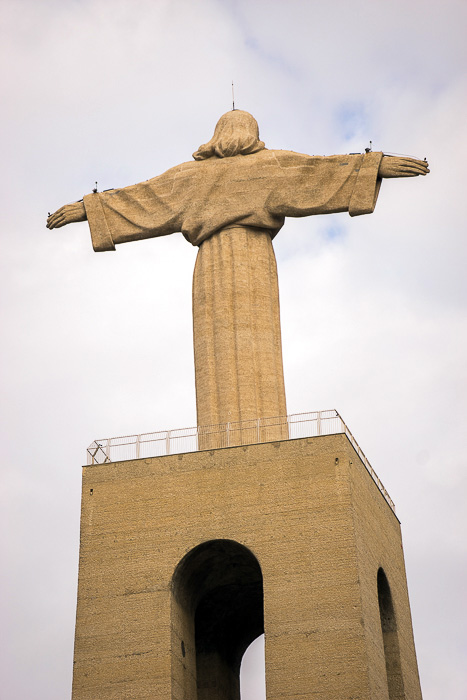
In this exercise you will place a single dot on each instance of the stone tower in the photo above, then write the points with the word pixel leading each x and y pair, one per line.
pixel 186 559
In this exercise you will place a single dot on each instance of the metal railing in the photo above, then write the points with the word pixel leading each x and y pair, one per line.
pixel 249 432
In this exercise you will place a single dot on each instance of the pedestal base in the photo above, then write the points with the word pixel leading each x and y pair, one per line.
pixel 161 617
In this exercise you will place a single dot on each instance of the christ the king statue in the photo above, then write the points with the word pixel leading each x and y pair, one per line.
pixel 231 201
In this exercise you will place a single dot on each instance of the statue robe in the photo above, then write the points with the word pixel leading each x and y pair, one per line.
pixel 232 208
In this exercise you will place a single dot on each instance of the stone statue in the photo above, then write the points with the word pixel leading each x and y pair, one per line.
pixel 231 201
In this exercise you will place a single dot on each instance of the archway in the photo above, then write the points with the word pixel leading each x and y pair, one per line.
pixel 217 611
pixel 390 639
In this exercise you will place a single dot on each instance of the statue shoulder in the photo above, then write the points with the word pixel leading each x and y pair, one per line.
pixel 171 174
pixel 292 159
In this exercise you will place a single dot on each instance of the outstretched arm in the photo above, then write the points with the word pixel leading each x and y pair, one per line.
pixel 392 166
pixel 146 210
pixel 68 214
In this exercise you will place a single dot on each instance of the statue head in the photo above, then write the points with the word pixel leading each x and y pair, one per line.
pixel 236 133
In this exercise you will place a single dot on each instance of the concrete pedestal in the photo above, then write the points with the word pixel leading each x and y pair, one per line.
pixel 177 553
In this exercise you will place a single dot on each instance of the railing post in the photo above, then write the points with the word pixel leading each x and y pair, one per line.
pixel 167 442
pixel 227 430
pixel 107 449
pixel 318 424
pixel 138 438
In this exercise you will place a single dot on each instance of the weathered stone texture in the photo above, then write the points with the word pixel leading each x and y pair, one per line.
pixel 316 522
pixel 236 318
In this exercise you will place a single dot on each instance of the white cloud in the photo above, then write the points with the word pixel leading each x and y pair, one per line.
pixel 373 308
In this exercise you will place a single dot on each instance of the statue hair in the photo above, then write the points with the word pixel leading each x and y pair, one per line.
pixel 236 133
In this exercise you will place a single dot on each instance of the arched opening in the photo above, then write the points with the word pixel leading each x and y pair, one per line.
pixel 390 639
pixel 217 611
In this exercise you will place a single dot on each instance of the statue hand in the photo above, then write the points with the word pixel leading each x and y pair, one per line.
pixel 392 166
pixel 68 214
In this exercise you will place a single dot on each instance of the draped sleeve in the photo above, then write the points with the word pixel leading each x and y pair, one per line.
pixel 146 210
pixel 326 184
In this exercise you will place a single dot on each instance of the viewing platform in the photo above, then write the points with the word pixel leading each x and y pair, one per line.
pixel 248 432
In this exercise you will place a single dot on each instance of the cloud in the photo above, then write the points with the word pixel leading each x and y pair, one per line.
pixel 373 308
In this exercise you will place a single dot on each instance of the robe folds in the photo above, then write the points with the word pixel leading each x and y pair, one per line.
pixel 232 208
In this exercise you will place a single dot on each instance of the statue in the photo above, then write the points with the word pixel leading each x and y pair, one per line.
pixel 231 201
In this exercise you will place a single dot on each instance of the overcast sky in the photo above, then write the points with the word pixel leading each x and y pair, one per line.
pixel 373 308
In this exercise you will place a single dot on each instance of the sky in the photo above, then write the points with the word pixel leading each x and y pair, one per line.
pixel 373 308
